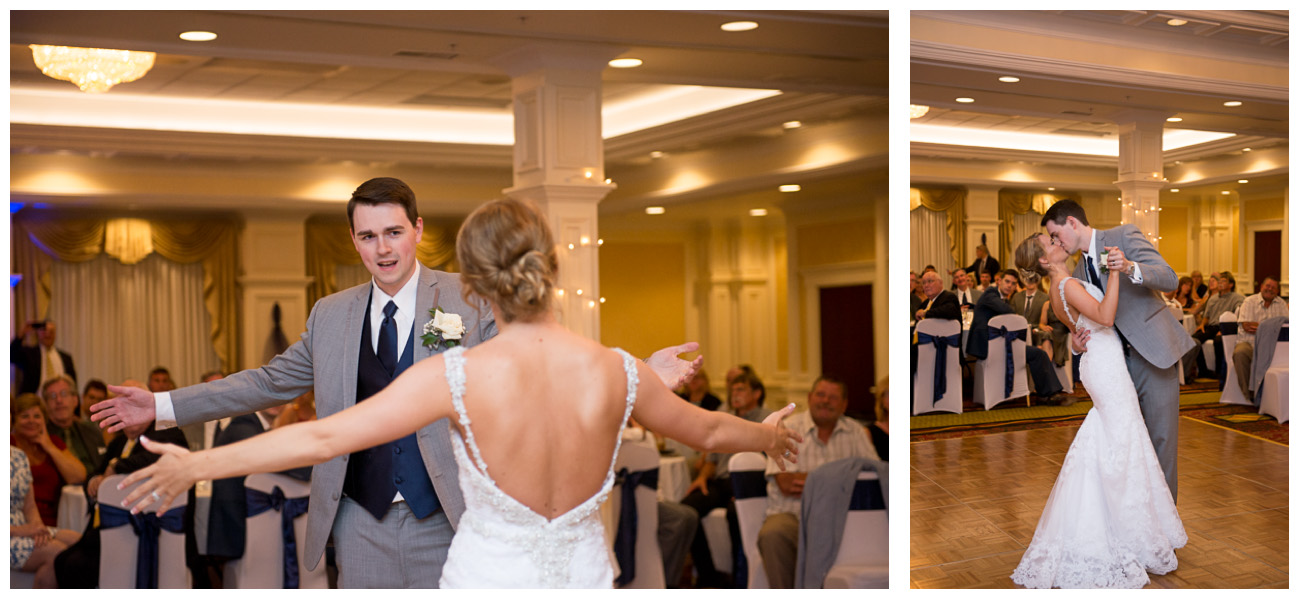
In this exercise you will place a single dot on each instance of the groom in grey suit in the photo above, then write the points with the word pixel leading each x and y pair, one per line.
pixel 1153 340
pixel 392 509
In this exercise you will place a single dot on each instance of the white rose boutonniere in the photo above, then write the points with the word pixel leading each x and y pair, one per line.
pixel 1104 267
pixel 443 329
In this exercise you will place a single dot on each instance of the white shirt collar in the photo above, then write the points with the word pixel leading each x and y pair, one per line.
pixel 1092 246
pixel 405 297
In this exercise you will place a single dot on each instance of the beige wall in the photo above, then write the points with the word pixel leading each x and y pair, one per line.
pixel 644 285
pixel 837 242
pixel 1174 227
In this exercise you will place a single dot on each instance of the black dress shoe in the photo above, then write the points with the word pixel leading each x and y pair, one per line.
pixel 1064 400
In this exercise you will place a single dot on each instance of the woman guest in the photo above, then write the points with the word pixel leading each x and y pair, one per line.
pixel 52 464
pixel 1183 296
pixel 32 545
pixel 879 430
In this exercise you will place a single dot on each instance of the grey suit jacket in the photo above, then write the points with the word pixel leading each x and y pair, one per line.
pixel 1142 316
pixel 325 360
pixel 1035 312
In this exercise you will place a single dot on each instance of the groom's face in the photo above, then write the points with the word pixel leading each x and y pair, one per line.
pixel 1066 235
pixel 385 238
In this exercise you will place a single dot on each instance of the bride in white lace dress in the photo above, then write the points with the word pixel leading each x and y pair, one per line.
pixel 537 416
pixel 1110 518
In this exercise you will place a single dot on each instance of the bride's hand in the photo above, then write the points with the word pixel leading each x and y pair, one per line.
pixel 784 444
pixel 164 480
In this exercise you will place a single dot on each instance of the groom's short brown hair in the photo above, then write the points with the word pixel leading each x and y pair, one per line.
pixel 384 190
pixel 1062 210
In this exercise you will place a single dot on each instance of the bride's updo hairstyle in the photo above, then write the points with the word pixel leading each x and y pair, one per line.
pixel 1027 255
pixel 507 256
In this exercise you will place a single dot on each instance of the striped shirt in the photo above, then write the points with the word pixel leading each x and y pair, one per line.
pixel 848 439
pixel 1252 309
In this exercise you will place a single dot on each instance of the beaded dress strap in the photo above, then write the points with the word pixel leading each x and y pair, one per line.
pixel 629 368
pixel 1065 305
pixel 455 359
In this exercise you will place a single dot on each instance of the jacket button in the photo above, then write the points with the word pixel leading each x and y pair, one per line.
pixel 345 458
pixel 397 480
pixel 397 449
pixel 335 496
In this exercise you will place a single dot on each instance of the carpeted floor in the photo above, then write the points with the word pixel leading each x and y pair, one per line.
pixel 1199 400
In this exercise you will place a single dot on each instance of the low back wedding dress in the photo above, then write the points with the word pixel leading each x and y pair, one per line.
pixel 500 542
pixel 1110 518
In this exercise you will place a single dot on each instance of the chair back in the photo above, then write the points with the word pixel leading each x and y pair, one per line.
pixel 1281 352
pixel 1275 395
pixel 750 488
pixel 640 457
pixel 263 564
pixel 863 558
pixel 990 372
pixel 119 545
pixel 1231 391
pixel 926 362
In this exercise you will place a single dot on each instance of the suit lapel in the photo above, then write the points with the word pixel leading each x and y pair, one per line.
pixel 352 342
pixel 426 299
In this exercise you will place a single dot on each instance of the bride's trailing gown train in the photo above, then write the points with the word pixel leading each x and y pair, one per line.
pixel 501 543
pixel 1110 518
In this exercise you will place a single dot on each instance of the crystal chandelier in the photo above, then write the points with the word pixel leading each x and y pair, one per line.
pixel 94 70
pixel 918 110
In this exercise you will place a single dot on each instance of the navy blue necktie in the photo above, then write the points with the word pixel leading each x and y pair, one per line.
pixel 388 339
pixel 1092 272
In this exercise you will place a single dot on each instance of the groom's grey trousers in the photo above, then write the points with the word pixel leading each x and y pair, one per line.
pixel 1157 391
pixel 400 551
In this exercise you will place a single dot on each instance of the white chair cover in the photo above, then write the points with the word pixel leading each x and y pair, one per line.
pixel 262 566
pixel 1178 316
pixel 718 534
pixel 1065 374
pixel 21 580
pixel 642 456
pixel 750 513
pixel 117 546
pixel 990 373
pixel 1231 391
pixel 1274 398
pixel 923 385
pixel 863 559
pixel 1207 350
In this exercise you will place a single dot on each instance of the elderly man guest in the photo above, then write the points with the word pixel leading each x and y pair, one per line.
pixel 83 438
pixel 41 362
pixel 828 436
pixel 966 295
pixel 1254 309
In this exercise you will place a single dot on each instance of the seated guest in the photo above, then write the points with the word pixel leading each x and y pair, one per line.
pixel 1057 342
pixel 1200 290
pixel 879 429
pixel 986 281
pixel 94 393
pixel 995 301
pixel 1183 295
pixel 52 464
pixel 712 487
pixel 229 508
pixel 1254 309
pixel 78 566
pixel 966 294
pixel 827 436
pixel 80 435
pixel 697 392
pixel 939 303
pixel 1029 303
pixel 160 380
pixel 302 408
pixel 32 544
pixel 1223 297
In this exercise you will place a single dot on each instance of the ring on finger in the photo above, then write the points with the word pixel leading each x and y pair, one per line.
pixel 787 454
pixel 156 497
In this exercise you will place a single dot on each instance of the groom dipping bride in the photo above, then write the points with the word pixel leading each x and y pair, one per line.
pixel 532 473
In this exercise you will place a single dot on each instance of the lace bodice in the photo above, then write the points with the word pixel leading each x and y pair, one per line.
pixel 567 551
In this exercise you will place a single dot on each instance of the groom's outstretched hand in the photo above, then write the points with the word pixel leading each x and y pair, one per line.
pixel 1079 339
pixel 672 370
pixel 133 405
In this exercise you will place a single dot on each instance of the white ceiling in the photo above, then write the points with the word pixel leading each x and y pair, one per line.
pixel 830 67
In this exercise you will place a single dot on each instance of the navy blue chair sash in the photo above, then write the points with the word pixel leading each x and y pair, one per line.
pixel 147 527
pixel 1228 327
pixel 289 508
pixel 745 484
pixel 1284 335
pixel 1009 336
pixel 867 495
pixel 625 540
pixel 941 344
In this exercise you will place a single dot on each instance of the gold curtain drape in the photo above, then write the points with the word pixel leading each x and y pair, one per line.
pixel 329 244
pixel 1019 202
pixel 35 244
pixel 951 201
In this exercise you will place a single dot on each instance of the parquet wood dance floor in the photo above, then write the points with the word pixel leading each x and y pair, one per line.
pixel 976 501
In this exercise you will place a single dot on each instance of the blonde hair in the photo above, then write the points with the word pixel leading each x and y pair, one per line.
pixel 507 256
pixel 1027 255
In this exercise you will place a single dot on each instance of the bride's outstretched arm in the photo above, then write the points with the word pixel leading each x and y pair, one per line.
pixel 661 411
pixel 418 397
pixel 1101 313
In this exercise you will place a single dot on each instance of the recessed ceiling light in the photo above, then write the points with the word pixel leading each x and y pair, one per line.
pixel 1175 119
pixel 1243 181
pixel 654 210
pixel 792 124
pixel 1176 22
pixel 1008 79
pixel 1226 192
pixel 1245 149
pixel 1051 189
pixel 656 154
pixel 790 188
pixel 1175 190
pixel 1232 103
pixel 198 36
pixel 739 26
pixel 625 63
pixel 965 100
pixel 758 212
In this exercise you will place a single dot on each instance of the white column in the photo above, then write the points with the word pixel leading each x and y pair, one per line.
pixel 559 162
pixel 275 261
pixel 1141 169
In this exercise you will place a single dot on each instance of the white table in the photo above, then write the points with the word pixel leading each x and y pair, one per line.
pixel 73 509
pixel 1189 323
pixel 674 478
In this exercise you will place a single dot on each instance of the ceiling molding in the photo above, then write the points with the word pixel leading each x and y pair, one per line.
pixel 951 55
pixel 923 149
